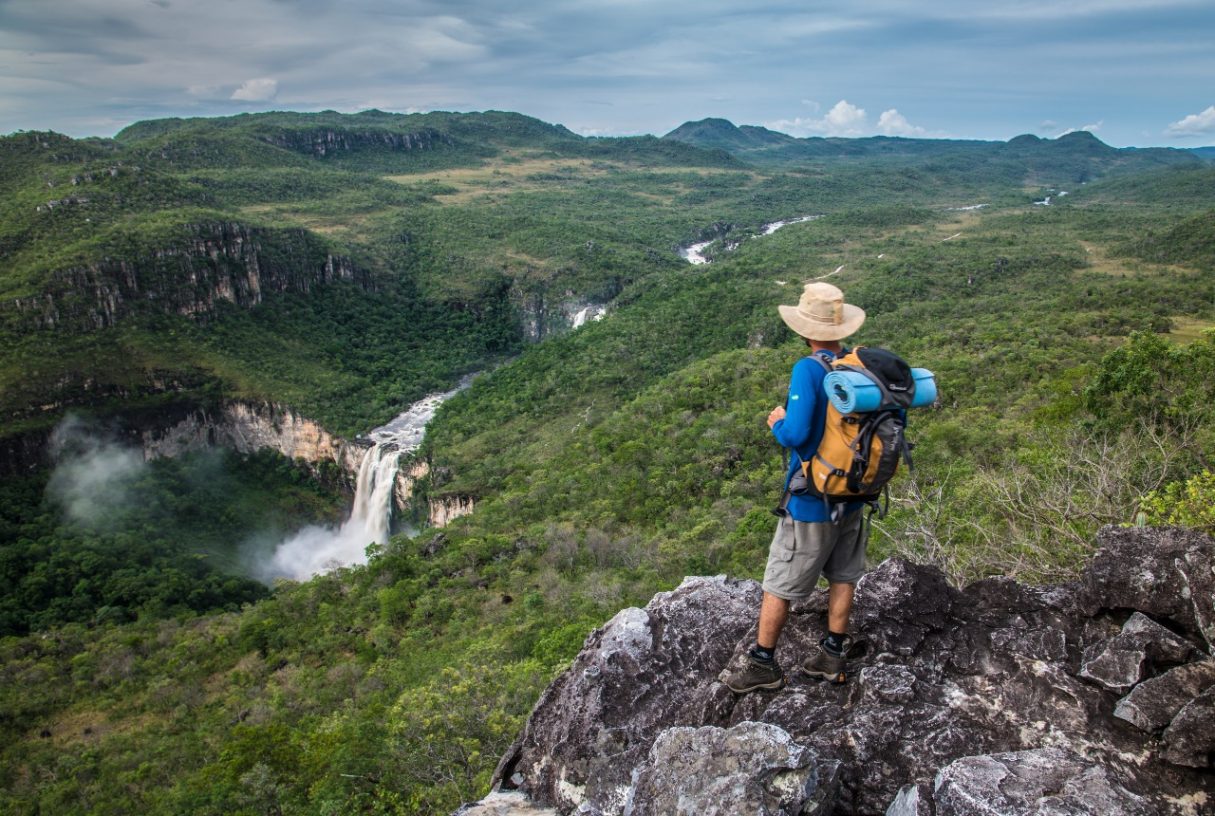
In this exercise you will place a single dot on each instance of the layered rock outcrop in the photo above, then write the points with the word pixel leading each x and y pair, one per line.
pixel 210 263
pixel 248 427
pixel 441 510
pixel 323 142
pixel 444 510
pixel 1093 697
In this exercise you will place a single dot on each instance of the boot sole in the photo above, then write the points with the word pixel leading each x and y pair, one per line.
pixel 775 684
pixel 836 678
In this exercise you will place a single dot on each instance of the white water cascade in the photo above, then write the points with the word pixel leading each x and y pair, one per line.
pixel 694 253
pixel 316 549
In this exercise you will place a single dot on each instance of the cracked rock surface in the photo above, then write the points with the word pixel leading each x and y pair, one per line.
pixel 1093 697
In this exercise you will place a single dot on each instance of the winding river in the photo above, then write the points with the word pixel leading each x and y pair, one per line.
pixel 694 253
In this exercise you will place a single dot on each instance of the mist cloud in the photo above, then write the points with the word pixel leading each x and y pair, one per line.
pixel 93 474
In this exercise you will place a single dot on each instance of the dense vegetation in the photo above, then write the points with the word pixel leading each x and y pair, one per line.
pixel 156 540
pixel 1071 341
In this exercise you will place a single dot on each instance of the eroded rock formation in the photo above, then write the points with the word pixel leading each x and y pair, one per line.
pixel 321 142
pixel 247 427
pixel 208 263
pixel 443 510
pixel 1094 697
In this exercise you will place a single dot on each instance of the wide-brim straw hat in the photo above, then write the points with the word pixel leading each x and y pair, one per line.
pixel 822 314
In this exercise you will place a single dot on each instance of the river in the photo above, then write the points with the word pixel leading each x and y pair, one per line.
pixel 694 253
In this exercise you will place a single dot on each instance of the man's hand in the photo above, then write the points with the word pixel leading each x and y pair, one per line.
pixel 778 413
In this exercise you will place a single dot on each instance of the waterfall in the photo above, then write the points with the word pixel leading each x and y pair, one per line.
pixel 372 513
pixel 318 549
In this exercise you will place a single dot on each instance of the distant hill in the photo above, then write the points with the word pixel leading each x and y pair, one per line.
pixel 1207 153
pixel 1072 158
pixel 723 134
pixel 377 141
pixel 252 242
pixel 1184 187
pixel 764 146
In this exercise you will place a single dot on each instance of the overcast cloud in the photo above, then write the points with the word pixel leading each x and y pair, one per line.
pixel 1142 69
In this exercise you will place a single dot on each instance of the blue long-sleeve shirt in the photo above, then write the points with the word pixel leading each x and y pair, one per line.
pixel 802 429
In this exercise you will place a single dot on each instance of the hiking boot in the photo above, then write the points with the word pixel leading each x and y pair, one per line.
pixel 822 665
pixel 755 674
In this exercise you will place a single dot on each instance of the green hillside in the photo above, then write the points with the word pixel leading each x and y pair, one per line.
pixel 96 236
pixel 1071 343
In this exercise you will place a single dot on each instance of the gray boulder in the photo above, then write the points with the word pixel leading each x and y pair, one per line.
pixel 1119 663
pixel 1034 783
pixel 1190 737
pixel 912 800
pixel 752 768
pixel 998 698
pixel 505 803
pixel 634 678
pixel 1154 703
pixel 1164 572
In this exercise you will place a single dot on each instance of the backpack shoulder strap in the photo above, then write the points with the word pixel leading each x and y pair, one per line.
pixel 820 357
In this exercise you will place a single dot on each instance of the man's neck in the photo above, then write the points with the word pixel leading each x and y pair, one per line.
pixel 834 346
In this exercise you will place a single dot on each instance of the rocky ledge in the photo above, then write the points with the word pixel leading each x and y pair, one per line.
pixel 1093 697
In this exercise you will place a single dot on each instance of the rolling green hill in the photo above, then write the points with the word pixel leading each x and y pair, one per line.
pixel 605 462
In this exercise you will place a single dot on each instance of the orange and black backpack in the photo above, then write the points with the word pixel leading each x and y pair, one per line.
pixel 860 452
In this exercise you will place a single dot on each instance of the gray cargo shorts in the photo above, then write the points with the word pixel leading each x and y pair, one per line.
pixel 802 550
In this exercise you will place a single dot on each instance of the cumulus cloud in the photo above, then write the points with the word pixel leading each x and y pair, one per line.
pixel 256 90
pixel 1196 124
pixel 893 123
pixel 102 61
pixel 844 119
pixel 1093 128
pixel 848 120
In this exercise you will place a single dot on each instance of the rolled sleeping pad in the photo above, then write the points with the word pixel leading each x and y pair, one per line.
pixel 853 392
pixel 925 388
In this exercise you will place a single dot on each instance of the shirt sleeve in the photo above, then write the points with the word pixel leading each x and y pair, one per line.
pixel 795 429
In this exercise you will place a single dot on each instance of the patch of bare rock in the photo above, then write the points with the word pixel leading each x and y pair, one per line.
pixel 1093 697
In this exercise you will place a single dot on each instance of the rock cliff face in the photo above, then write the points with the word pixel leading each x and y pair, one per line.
pixel 544 313
pixel 440 510
pixel 1094 697
pixel 445 510
pixel 245 428
pixel 327 141
pixel 407 478
pixel 218 261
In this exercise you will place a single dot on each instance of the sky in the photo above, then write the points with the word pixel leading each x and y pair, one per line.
pixel 1134 72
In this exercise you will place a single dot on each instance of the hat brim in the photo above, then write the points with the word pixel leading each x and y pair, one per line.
pixel 812 329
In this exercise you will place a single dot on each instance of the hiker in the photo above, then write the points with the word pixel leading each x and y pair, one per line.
pixel 808 540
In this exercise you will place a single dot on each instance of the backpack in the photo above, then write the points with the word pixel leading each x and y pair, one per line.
pixel 860 452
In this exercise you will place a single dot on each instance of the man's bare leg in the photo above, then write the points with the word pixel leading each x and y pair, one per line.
pixel 772 616
pixel 839 608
